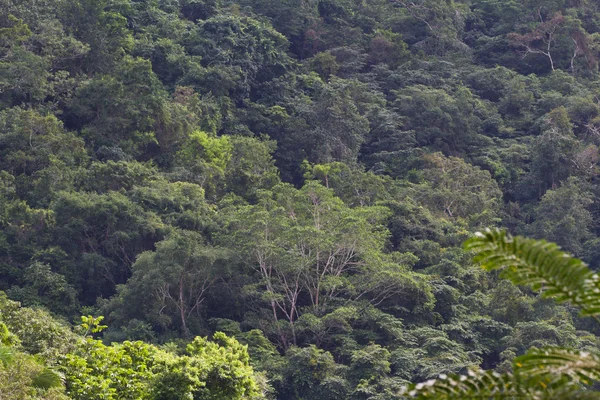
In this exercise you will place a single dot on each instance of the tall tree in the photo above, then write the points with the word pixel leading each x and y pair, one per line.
pixel 170 284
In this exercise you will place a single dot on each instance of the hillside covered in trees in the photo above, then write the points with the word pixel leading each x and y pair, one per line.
pixel 268 198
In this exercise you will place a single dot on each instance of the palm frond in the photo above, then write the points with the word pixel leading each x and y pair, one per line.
pixel 540 264
pixel 48 379
pixel 577 366
pixel 476 385
pixel 491 385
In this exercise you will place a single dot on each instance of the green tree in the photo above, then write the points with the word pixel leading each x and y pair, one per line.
pixel 39 152
pixel 102 27
pixel 314 371
pixel 460 190
pixel 303 243
pixel 562 216
pixel 205 158
pixel 130 119
pixel 229 68
pixel 552 153
pixel 101 235
pixel 251 166
pixel 450 122
pixel 169 285
pixel 217 369
pixel 42 286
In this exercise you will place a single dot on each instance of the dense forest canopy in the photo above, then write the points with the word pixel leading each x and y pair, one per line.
pixel 267 198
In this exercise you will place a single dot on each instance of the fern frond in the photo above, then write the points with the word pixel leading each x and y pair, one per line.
pixel 476 385
pixel 539 264
pixel 578 366
pixel 48 379
pixel 491 385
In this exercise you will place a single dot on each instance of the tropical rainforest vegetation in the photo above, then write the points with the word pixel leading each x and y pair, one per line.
pixel 268 198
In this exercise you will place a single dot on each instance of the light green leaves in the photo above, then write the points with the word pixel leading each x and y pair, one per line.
pixel 6 355
pixel 91 324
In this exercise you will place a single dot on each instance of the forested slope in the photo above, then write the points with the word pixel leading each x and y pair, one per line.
pixel 297 174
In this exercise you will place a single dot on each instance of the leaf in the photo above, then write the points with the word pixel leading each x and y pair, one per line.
pixel 490 385
pixel 579 366
pixel 48 378
pixel 477 385
pixel 540 264
pixel 6 355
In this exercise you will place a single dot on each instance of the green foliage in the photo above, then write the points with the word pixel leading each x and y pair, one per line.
pixel 214 151
pixel 436 117
pixel 93 370
pixel 539 374
pixel 169 285
pixel 91 324
pixel 491 385
pixel 562 216
pixel 577 365
pixel 25 378
pixel 6 356
pixel 23 375
pixel 460 190
pixel 251 166
pixel 300 175
pixel 215 370
pixel 48 379
pixel 42 286
pixel 312 371
pixel 36 330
